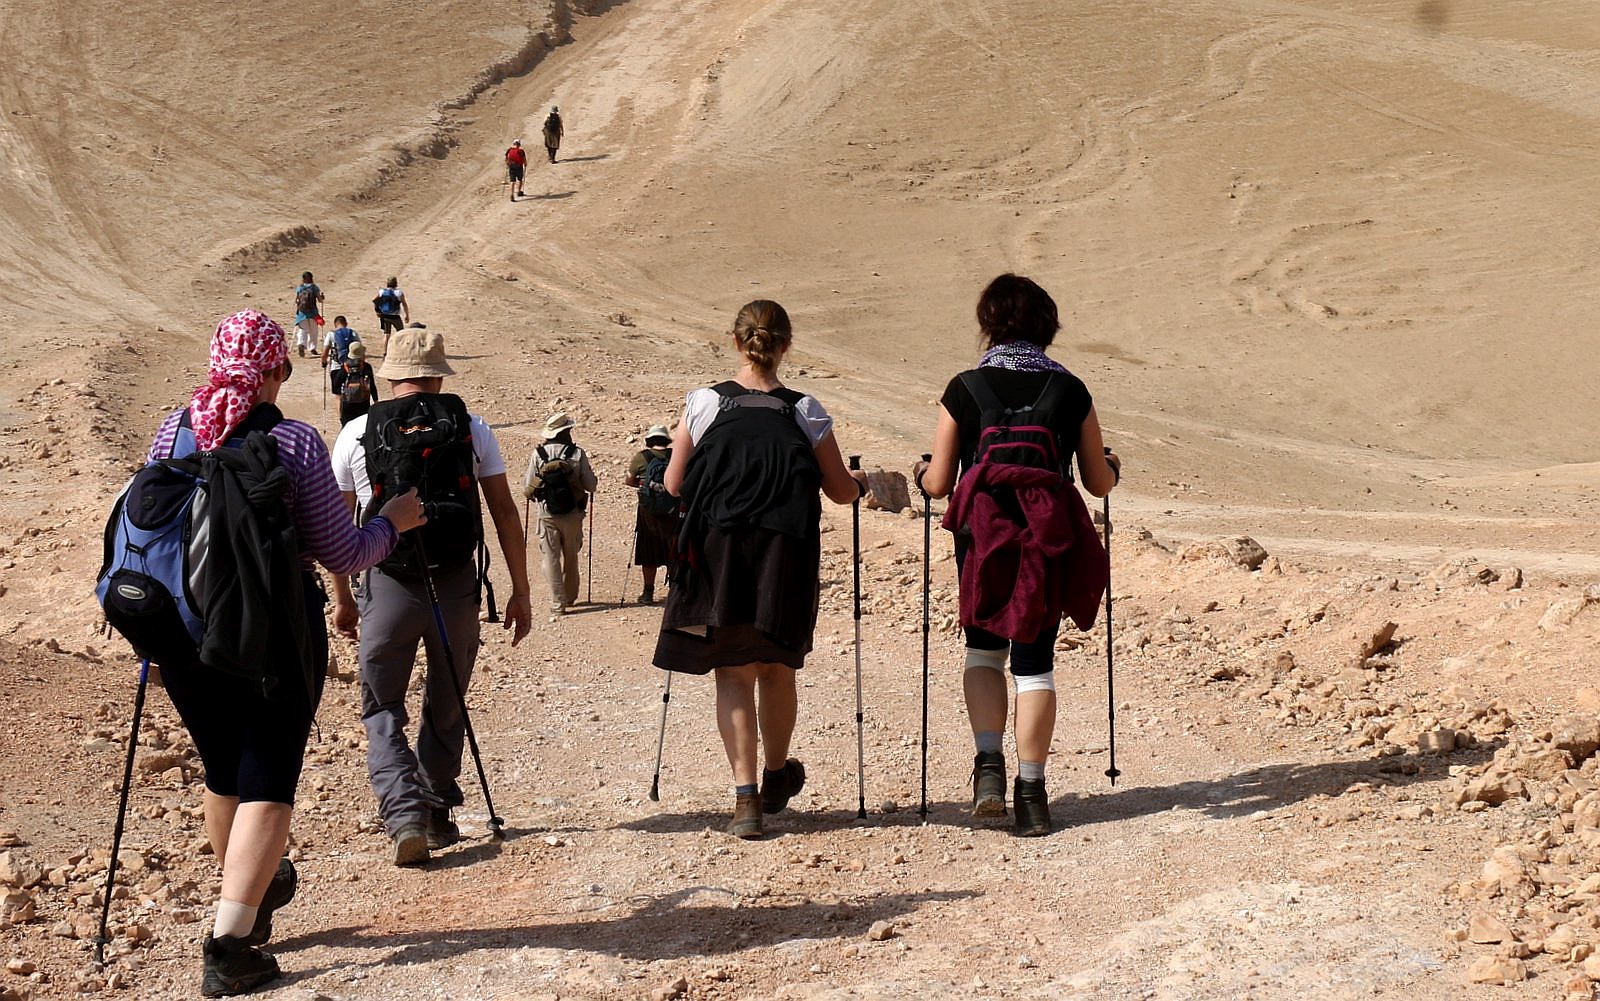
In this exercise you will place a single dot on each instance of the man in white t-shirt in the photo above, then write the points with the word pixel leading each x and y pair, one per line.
pixel 416 790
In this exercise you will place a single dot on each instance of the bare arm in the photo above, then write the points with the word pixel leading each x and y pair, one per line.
pixel 682 448
pixel 508 529
pixel 839 484
pixel 1098 469
pixel 939 476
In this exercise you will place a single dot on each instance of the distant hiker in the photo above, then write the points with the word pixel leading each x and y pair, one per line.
pixel 336 344
pixel 354 384
pixel 552 132
pixel 252 742
pixel 747 459
pixel 560 480
pixel 391 306
pixel 516 166
pixel 459 459
pixel 655 526
pixel 1020 590
pixel 307 314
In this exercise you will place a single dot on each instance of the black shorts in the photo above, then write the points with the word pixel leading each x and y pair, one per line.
pixel 251 746
pixel 514 171
pixel 388 322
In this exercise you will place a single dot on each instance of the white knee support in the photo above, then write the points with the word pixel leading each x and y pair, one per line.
pixel 994 660
pixel 1045 682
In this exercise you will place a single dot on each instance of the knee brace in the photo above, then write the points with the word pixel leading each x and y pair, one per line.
pixel 1045 682
pixel 994 660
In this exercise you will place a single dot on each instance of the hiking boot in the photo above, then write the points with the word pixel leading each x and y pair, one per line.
pixel 232 967
pixel 1032 807
pixel 442 831
pixel 411 845
pixel 648 597
pixel 989 784
pixel 279 892
pixel 778 786
pixel 746 822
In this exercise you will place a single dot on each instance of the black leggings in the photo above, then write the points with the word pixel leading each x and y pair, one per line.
pixel 252 746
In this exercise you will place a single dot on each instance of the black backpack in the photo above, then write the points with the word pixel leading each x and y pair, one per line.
pixel 1019 436
pixel 424 440
pixel 202 561
pixel 305 300
pixel 653 495
pixel 556 490
pixel 354 392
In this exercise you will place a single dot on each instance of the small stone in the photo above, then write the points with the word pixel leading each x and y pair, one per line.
pixel 1245 551
pixel 1440 741
pixel 1497 970
pixel 1486 929
pixel 1376 638
pixel 21 967
pixel 669 991
pixel 64 929
pixel 881 931
pixel 1578 988
pixel 1579 736
pixel 887 491
pixel 889 806
pixel 20 871
pixel 9 839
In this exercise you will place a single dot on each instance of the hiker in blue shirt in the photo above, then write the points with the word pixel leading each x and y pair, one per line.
pixel 392 309
pixel 307 314
pixel 336 345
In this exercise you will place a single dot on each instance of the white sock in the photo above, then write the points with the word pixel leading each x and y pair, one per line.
pixel 234 919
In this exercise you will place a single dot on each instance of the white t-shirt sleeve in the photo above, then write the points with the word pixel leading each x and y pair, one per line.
pixel 350 461
pixel 702 406
pixel 486 449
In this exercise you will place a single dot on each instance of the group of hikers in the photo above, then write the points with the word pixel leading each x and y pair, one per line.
pixel 517 157
pixel 729 502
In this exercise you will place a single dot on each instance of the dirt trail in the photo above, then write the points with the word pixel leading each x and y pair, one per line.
pixel 1315 261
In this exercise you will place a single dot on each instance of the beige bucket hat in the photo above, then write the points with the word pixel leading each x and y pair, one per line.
pixel 657 431
pixel 557 424
pixel 415 354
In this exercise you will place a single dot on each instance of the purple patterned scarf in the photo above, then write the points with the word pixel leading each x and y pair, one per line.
pixel 1020 356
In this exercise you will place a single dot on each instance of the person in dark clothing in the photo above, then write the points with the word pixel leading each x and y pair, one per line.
pixel 655 527
pixel 553 131
pixel 748 459
pixel 354 384
pixel 1018 321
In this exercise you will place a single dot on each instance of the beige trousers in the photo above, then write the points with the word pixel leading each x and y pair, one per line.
pixel 560 538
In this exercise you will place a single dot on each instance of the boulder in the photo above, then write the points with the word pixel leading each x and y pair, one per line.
pixel 887 491
pixel 1579 736
pixel 1497 970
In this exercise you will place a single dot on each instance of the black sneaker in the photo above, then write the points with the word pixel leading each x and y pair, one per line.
pixel 647 597
pixel 989 784
pixel 279 892
pixel 1032 805
pixel 232 967
pixel 778 786
pixel 442 831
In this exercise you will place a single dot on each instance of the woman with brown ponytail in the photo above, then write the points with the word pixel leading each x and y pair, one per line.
pixel 748 459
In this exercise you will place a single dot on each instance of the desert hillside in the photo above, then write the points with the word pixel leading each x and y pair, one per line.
pixel 1325 267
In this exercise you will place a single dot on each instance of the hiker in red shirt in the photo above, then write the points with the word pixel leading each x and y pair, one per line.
pixel 516 164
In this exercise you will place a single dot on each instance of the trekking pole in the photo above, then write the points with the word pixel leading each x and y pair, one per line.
pixel 589 596
pixel 855 565
pixel 100 939
pixel 525 505
pixel 496 825
pixel 927 548
pixel 1111 701
pixel 627 571
pixel 661 741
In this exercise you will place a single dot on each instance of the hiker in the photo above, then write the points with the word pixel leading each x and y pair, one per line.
pixel 336 346
pixel 252 746
pixel 354 384
pixel 560 481
pixel 307 314
pixel 747 459
pixel 391 306
pixel 1017 321
pixel 417 789
pixel 655 526
pixel 552 132
pixel 516 166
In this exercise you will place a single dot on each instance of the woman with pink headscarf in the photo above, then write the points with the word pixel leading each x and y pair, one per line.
pixel 253 746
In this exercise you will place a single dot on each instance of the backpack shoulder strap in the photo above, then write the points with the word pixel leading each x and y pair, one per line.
pixel 982 393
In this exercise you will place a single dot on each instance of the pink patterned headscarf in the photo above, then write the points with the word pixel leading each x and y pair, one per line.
pixel 245 345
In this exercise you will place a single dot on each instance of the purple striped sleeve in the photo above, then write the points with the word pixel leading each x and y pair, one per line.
pixel 327 532
pixel 165 436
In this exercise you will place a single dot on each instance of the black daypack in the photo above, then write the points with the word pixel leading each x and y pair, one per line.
pixel 1020 436
pixel 557 489
pixel 354 392
pixel 424 440
pixel 653 495
pixel 202 561
pixel 305 300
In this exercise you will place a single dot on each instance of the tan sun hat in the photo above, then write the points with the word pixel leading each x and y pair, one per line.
pixel 657 431
pixel 357 350
pixel 415 354
pixel 557 424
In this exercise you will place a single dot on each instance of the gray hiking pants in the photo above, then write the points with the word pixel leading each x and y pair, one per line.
pixel 395 615
pixel 560 540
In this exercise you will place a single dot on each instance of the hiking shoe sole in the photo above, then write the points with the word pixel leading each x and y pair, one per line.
pixel 989 784
pixel 411 845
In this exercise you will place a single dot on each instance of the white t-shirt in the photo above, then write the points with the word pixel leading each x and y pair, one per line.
pixel 350 459
pixel 701 408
